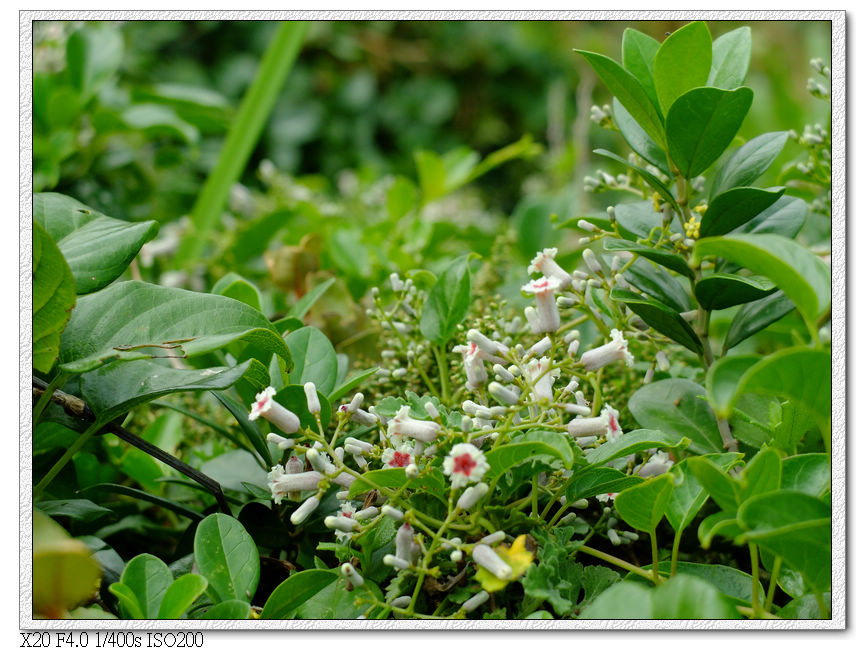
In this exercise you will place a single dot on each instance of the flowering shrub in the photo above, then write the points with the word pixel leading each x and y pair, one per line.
pixel 615 442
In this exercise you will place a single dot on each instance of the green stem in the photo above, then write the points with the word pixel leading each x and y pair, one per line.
pixel 677 538
pixel 244 132
pixel 773 581
pixel 45 398
pixel 755 580
pixel 535 495
pixel 612 559
pixel 61 463
pixel 656 575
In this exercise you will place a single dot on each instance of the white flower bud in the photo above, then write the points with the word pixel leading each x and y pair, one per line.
pixel 431 410
pixel 411 471
pixel 614 538
pixel 312 402
pixel 349 572
pixel 393 513
pixel 663 362
pixel 540 347
pixel 585 225
pixel 487 558
pixel 396 563
pixel 486 344
pixel 592 261
pixel 503 394
pixel 345 524
pixel 403 542
pixel 503 374
pixel 475 601
pixel 456 556
pixel 494 538
pixel 402 601
pixel 472 495
pixel 366 513
pixel 279 441
pixel 304 510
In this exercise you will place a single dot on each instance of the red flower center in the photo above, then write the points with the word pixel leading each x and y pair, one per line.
pixel 261 403
pixel 614 426
pixel 464 464
pixel 400 459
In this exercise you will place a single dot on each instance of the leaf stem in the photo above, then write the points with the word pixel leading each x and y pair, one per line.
pixel 61 463
pixel 45 398
pixel 755 580
pixel 622 564
pixel 773 581
pixel 674 559
pixel 656 575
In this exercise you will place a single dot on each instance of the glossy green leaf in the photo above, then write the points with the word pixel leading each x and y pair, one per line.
pixel 226 555
pixel 702 123
pixel 334 601
pixel 796 421
pixel 658 284
pixel 723 488
pixel 761 474
pixel 633 442
pixel 227 610
pixel 798 272
pixel 232 285
pixel 657 315
pixel 638 139
pixel 804 607
pixel 294 591
pixel 180 595
pixel 731 582
pixel 598 480
pixel 653 181
pixel 76 509
pixel 734 208
pixel 682 62
pixel 642 506
pixel 722 380
pixel 721 524
pixel 723 290
pixel 314 358
pixel 688 494
pixel 506 457
pixel 755 419
pixel 731 56
pixel 630 92
pixel 141 495
pixel 785 217
pixel 795 526
pixel 396 478
pixel 351 383
pixel 97 248
pixel 129 606
pixel 300 309
pixel 808 473
pixel 53 298
pixel 664 257
pixel 448 303
pixel 755 316
pixel 554 439
pixel 638 57
pixel 293 398
pixel 687 596
pixel 624 600
pixel 134 320
pixel 149 579
pixel 749 161
pixel 115 388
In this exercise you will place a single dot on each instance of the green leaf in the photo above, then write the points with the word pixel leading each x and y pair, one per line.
pixel 630 92
pixel 723 290
pixel 688 494
pixel 749 161
pixel 653 181
pixel 633 442
pixel 724 490
pixel 293 398
pixel 141 495
pixel 598 480
pixel 394 477
pixel 76 509
pixel 734 208
pixel 134 320
pixel 702 123
pixel 97 248
pixel 796 421
pixel 448 303
pixel 657 315
pixel 148 578
pixel 227 609
pixel 239 288
pixel 314 358
pixel 226 555
pixel 804 607
pixel 664 257
pixel 731 56
pixel 808 473
pixel 624 600
pixel 303 305
pixel 677 406
pixel 795 526
pixel 785 217
pixel 638 139
pixel 115 388
pixel 180 595
pixel 689 597
pixel 638 57
pixel 53 298
pixel 250 429
pixel 334 601
pixel 294 591
pixel 658 284
pixel 642 506
pixel 798 272
pixel 506 457
pixel 682 62
pixel 554 439
pixel 729 581
pixel 157 121
pixel 756 315
pixel 761 474
pixel 351 383
pixel 722 380
pixel 402 197
pixel 93 54
pixel 128 602
pixel 719 523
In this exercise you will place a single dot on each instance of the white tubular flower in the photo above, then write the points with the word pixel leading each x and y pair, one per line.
pixel 362 417
pixel 294 465
pixel 355 403
pixel 656 465
pixel 304 510
pixel 540 379
pixel 493 538
pixel 353 576
pixel 279 441
pixel 573 348
pixel 472 495
pixel 592 261
pixel 431 410
pixel 405 425
pixel 576 409
pixel 342 523
pixel 392 458
pixel 319 461
pixel 533 320
pixel 545 264
pixel 663 361
pixel 503 394
pixel 312 402
pixel 615 350
pixel 393 513
pixel 606 498
pixel 475 601
pixel 487 344
pixel 281 483
pixel 274 412
pixel 364 446
pixel 489 560
pixel 343 479
pixel 545 301
pixel 465 464
pixel 403 542
pixel 606 423
pixel 366 513
pixel 473 363
pixel 540 347
pixel 503 374
pixel 396 563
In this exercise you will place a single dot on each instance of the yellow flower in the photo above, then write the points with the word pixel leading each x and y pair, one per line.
pixel 516 556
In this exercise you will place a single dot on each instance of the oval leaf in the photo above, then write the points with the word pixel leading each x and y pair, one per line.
pixel 755 316
pixel 314 358
pixel 227 609
pixel 665 258
pixel 724 290
pixel 785 217
pixel 658 284
pixel 294 591
pixel 53 298
pixel 682 62
pixel 808 473
pixel 638 139
pixel 448 303
pixel 236 286
pixel 638 57
pixel 148 578
pixel 687 596
pixel 509 456
pixel 749 161
pixel 633 442
pixel 180 595
pixel 657 315
pixel 226 555
pixel 688 494
pixel 653 181
pixel 734 208
pixel 702 123
pixel 642 506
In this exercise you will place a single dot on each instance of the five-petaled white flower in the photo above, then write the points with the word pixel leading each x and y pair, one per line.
pixel 465 464
pixel 272 411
